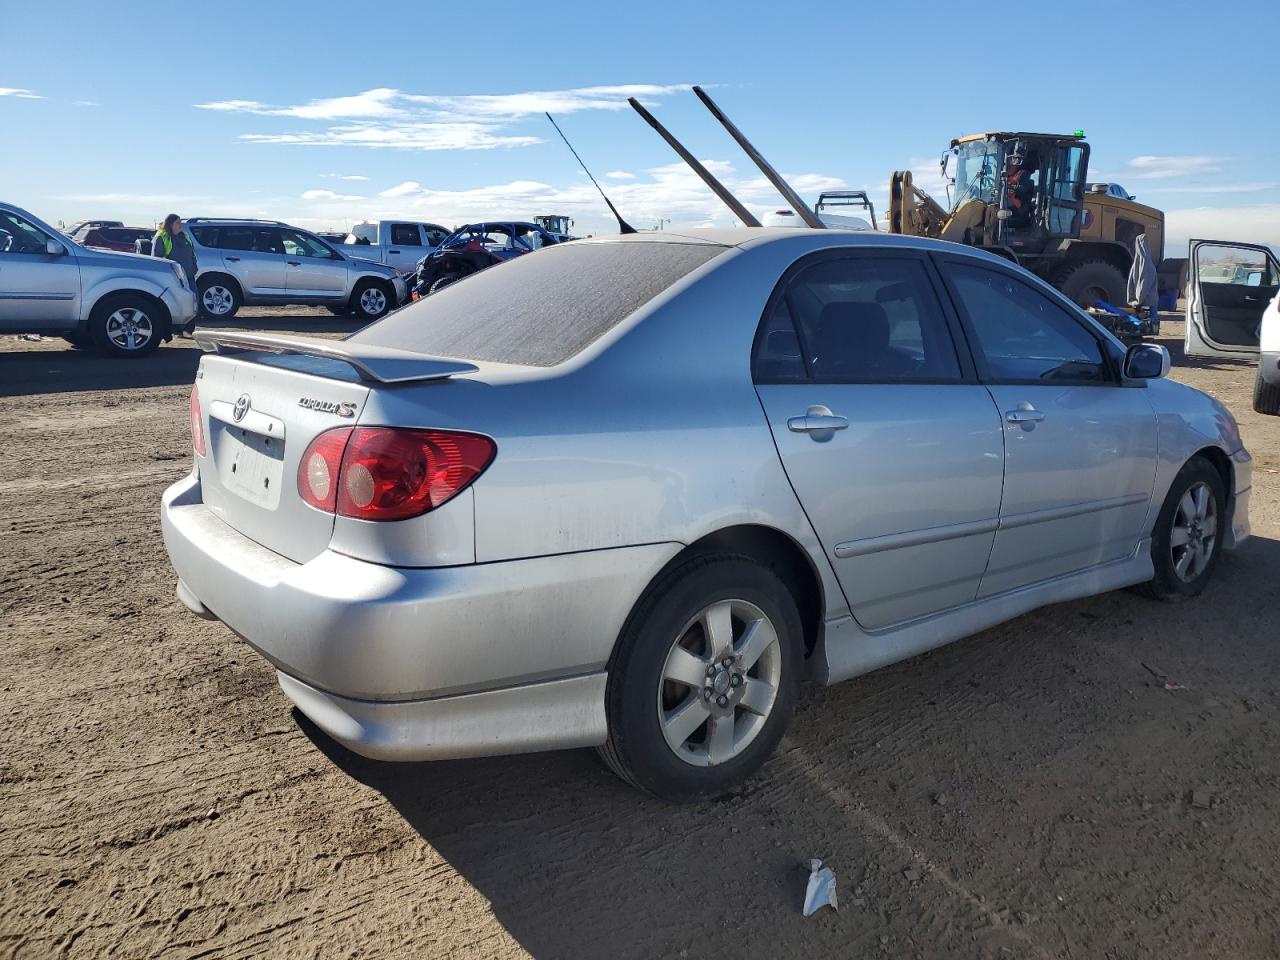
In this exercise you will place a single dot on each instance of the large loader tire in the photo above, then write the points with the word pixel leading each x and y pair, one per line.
pixel 1085 281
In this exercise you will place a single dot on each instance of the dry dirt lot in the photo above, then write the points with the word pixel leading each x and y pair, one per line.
pixel 1099 779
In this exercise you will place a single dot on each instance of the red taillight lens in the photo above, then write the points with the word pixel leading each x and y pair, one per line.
pixel 383 473
pixel 197 424
pixel 320 468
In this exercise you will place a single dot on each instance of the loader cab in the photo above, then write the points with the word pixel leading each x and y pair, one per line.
pixel 1023 191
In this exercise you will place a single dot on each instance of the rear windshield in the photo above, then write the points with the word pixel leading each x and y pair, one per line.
pixel 541 308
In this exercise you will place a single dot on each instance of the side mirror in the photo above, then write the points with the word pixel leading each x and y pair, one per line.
pixel 1146 361
pixel 54 249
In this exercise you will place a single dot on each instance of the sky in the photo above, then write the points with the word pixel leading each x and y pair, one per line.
pixel 327 113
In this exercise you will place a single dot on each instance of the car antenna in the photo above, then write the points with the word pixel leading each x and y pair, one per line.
pixel 623 226
pixel 718 188
pixel 808 216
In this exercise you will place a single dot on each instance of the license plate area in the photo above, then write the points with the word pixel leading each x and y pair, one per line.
pixel 249 457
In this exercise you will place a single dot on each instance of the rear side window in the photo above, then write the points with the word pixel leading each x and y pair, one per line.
pixel 1020 335
pixel 406 235
pixel 206 236
pixel 857 320
pixel 541 309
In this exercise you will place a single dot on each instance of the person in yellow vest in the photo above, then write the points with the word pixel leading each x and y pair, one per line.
pixel 171 243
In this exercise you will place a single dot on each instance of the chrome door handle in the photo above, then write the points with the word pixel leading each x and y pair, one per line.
pixel 1024 413
pixel 232 259
pixel 817 419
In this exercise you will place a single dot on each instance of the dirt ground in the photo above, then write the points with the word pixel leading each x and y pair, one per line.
pixel 1099 779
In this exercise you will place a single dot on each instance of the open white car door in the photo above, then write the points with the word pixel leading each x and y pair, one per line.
pixel 1230 286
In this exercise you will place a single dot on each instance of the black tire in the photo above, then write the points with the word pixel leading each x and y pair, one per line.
pixel 1085 281
pixel 225 300
pixel 1168 584
pixel 445 281
pixel 668 616
pixel 371 308
pixel 1266 396
pixel 127 326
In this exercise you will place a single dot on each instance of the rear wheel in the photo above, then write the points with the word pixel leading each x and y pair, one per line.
pixel 220 298
pixel 704 678
pixel 1085 281
pixel 370 300
pixel 445 281
pixel 128 326
pixel 1188 534
pixel 1266 396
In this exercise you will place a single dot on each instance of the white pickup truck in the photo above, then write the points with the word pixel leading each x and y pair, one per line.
pixel 400 244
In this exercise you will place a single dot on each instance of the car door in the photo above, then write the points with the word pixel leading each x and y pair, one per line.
pixel 407 246
pixel 892 446
pixel 1230 287
pixel 38 290
pixel 255 257
pixel 312 270
pixel 1079 447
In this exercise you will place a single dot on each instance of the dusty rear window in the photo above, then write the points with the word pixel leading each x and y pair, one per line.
pixel 541 308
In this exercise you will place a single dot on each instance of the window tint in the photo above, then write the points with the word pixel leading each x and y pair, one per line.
pixel 1022 335
pixel 863 319
pixel 19 236
pixel 540 310
pixel 436 235
pixel 778 348
pixel 206 236
pixel 406 235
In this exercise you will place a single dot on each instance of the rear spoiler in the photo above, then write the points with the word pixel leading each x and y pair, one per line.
pixel 373 364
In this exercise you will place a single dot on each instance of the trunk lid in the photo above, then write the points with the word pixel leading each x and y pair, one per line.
pixel 260 412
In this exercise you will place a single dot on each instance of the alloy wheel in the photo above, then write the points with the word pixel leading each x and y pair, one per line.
pixel 217 300
pixel 1195 531
pixel 719 683
pixel 373 301
pixel 129 328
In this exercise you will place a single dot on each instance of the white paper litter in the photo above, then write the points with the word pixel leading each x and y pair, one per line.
pixel 821 891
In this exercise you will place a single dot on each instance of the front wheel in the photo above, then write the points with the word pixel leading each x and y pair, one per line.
pixel 126 326
pixel 704 679
pixel 1089 280
pixel 1266 396
pixel 1187 539
pixel 370 301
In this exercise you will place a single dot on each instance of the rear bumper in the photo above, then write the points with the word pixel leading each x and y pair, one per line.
pixel 554 715
pixel 391 660
pixel 1269 366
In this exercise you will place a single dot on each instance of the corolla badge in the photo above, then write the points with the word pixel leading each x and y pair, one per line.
pixel 341 409
pixel 241 407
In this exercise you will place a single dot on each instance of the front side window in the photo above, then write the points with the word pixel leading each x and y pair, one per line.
pixel 858 320
pixel 20 236
pixel 436 235
pixel 1020 335
pixel 303 245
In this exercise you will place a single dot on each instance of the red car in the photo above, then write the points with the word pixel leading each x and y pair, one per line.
pixel 111 238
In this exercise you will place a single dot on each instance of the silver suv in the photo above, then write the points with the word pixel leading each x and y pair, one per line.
pixel 266 262
pixel 120 303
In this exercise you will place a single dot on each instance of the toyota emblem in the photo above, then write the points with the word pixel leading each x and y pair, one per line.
pixel 241 408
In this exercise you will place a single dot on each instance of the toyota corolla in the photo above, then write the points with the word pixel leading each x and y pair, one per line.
pixel 627 493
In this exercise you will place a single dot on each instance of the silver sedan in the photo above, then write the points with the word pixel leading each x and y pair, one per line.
pixel 626 493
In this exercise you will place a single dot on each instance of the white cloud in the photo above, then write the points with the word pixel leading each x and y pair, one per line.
pixel 85 103
pixel 620 175
pixel 339 176
pixel 19 93
pixel 1160 168
pixel 1218 188
pixel 385 117
pixel 328 195
pixel 1254 224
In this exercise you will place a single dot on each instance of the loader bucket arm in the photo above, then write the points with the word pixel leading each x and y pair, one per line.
pixel 799 206
pixel 913 212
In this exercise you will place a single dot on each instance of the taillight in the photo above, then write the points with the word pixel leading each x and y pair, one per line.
pixel 385 473
pixel 320 468
pixel 197 424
